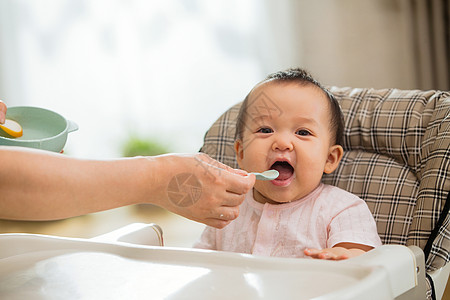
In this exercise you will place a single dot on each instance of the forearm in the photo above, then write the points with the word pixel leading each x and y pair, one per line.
pixel 37 185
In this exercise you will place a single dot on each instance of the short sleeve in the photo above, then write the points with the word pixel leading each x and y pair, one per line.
pixel 353 222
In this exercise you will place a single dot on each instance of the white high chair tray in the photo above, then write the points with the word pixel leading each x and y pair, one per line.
pixel 48 267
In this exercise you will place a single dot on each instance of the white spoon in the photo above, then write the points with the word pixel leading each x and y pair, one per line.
pixel 267 175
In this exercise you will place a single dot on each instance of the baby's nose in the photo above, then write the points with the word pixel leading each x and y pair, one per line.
pixel 282 142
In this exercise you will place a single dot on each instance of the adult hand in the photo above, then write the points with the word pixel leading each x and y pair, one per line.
pixel 2 112
pixel 201 188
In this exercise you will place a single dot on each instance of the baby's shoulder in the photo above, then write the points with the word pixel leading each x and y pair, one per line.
pixel 334 190
pixel 338 196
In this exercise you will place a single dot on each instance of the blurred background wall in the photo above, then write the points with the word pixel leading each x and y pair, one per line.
pixel 165 70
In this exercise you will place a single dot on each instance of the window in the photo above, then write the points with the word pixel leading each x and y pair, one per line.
pixel 163 70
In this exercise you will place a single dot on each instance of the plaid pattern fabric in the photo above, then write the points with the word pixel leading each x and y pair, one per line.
pixel 396 158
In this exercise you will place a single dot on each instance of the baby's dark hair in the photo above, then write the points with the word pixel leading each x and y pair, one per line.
pixel 302 77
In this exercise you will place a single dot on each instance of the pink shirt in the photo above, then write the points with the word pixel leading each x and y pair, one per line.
pixel 322 219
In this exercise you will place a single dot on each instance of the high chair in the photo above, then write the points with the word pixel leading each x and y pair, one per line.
pixel 397 159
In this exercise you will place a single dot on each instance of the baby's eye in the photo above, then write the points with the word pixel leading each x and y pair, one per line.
pixel 264 130
pixel 302 132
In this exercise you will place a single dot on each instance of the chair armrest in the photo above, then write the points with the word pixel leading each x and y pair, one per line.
pixel 405 267
pixel 440 278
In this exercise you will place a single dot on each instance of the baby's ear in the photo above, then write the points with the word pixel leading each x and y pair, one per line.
pixel 239 149
pixel 335 154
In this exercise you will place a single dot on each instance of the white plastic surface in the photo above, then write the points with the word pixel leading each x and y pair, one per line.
pixel 45 267
pixel 136 233
pixel 398 261
pixel 440 278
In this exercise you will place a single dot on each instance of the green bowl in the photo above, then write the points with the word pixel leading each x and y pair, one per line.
pixel 42 128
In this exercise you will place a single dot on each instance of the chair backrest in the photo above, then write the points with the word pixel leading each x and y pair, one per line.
pixel 397 159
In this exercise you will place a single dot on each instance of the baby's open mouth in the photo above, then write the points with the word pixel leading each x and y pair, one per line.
pixel 284 168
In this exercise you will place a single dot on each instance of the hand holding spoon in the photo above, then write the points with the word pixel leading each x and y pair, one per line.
pixel 12 128
pixel 267 175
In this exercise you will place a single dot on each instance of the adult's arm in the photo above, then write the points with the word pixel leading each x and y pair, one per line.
pixel 40 185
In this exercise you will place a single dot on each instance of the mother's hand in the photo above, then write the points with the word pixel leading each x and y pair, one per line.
pixel 202 189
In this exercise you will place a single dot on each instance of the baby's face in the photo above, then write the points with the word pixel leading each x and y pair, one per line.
pixel 294 139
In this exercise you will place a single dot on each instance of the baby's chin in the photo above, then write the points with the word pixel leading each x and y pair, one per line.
pixel 271 198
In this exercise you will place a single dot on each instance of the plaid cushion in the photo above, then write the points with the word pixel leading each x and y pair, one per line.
pixel 396 158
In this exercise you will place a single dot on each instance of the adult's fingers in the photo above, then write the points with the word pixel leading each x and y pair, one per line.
pixel 235 181
pixel 238 184
pixel 220 166
pixel 217 223
pixel 227 213
pixel 232 199
pixel 213 163
pixel 2 112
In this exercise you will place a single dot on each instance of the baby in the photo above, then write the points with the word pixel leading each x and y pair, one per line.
pixel 290 123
